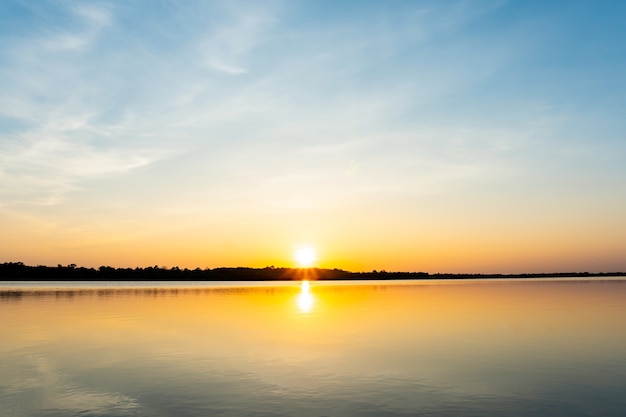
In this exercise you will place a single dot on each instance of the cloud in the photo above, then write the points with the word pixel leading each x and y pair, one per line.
pixel 66 42
pixel 46 166
pixel 93 20
pixel 97 15
pixel 218 65
pixel 235 40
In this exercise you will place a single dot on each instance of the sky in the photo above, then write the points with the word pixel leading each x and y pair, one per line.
pixel 439 136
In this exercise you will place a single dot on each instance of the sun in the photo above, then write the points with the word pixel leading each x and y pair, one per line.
pixel 305 256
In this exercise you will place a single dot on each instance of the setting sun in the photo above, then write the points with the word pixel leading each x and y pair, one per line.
pixel 305 256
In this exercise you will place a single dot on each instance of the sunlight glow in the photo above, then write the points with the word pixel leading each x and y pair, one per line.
pixel 305 256
pixel 305 298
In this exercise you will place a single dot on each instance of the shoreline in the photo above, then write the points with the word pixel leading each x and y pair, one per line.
pixel 17 271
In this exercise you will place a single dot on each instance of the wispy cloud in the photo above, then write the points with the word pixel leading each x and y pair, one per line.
pixel 218 65
pixel 92 20
pixel 46 165
pixel 98 16
pixel 228 46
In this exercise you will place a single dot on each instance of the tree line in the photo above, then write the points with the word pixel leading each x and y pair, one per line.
pixel 18 271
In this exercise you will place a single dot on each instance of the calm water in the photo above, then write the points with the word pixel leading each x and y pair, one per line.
pixel 472 348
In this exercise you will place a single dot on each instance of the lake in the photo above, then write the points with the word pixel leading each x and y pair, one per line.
pixel 377 348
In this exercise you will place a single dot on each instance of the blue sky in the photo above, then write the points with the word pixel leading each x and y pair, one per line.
pixel 446 127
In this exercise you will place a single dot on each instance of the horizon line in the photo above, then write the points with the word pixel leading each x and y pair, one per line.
pixel 174 269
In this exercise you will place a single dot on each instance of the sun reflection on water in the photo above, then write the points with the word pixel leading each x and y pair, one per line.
pixel 305 298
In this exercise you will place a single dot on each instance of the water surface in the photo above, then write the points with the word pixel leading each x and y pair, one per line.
pixel 412 348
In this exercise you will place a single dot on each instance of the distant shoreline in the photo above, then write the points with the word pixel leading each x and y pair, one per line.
pixel 17 271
